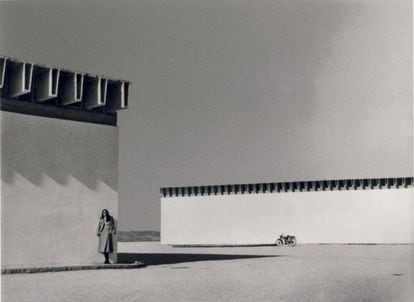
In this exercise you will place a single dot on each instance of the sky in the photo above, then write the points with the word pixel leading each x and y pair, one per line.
pixel 236 91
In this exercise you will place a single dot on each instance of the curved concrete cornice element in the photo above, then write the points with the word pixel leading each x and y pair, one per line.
pixel 56 86
pixel 291 186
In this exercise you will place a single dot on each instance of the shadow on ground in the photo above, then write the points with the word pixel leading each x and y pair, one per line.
pixel 166 258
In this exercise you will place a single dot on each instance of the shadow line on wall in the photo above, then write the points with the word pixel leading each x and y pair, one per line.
pixel 38 147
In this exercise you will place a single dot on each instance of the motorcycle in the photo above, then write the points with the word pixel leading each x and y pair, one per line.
pixel 286 240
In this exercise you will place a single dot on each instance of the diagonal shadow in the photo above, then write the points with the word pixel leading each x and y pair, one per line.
pixel 38 148
pixel 173 258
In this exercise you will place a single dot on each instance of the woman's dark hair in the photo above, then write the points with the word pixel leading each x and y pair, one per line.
pixel 108 217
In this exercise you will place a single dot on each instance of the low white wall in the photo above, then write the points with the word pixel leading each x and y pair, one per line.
pixel 362 216
pixel 56 178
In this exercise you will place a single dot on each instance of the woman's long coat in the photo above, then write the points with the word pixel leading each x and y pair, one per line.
pixel 105 230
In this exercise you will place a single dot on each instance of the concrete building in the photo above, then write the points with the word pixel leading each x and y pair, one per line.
pixel 59 162
pixel 377 210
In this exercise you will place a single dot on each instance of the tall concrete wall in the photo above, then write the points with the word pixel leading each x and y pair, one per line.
pixel 361 216
pixel 56 177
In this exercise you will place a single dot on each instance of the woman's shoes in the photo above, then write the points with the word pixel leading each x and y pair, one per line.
pixel 106 262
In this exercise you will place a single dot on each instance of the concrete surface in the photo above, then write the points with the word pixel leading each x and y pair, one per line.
pixel 304 273
pixel 58 268
pixel 56 177
pixel 354 216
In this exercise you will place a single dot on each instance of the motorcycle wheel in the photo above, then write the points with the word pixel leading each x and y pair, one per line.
pixel 279 242
pixel 292 241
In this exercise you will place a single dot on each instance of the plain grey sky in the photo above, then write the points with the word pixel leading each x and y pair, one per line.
pixel 235 91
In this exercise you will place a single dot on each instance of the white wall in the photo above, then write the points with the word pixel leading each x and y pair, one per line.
pixel 362 216
pixel 56 178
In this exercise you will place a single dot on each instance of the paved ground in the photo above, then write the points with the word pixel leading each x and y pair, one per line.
pixel 304 273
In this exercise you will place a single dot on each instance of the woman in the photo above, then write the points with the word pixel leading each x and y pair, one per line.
pixel 106 228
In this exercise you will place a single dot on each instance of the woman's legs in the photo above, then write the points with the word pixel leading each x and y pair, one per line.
pixel 106 258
